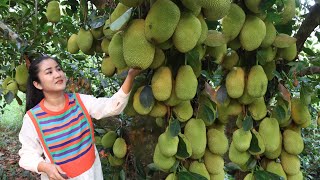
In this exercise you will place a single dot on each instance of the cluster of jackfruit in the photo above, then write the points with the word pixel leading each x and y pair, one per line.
pixel 19 82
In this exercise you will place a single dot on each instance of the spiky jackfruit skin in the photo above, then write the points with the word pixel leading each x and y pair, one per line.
pixel 241 139
pixel 233 22
pixel 192 6
pixel 84 40
pixel 299 111
pixel 217 141
pixel 276 168
pixel 215 9
pixel 183 111
pixel 290 163
pixel 107 67
pixel 138 52
pixel 260 143
pixel 53 11
pixel 288 12
pixel 271 33
pixel 213 162
pixel 161 21
pixel 246 98
pixel 161 161
pixel 252 33
pixel 72 45
pixel 204 29
pixel 258 109
pixel 187 32
pixel 270 133
pixel 108 139
pixel 173 100
pixel 195 131
pixel 235 82
pixel 159 58
pixel 257 82
pixel 161 83
pixel 117 12
pixel 284 40
pixel 186 83
pixel 168 145
pixel 132 3
pixel 199 168
pixel 115 50
pixel 292 142
pixel 266 55
pixel 119 148
pixel 219 176
pixel 288 53
pixel 217 53
pixel 21 75
pixel 238 157
pixel 138 107
pixel 253 5
pixel 230 60
pixel 274 154
pixel 105 45
pixel 298 176
pixel 158 110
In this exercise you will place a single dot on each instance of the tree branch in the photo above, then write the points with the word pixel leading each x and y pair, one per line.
pixel 311 21
pixel 310 71
pixel 8 33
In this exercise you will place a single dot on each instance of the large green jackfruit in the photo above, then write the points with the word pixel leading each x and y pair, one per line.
pixel 246 98
pixel 257 82
pixel 105 45
pixel 204 29
pixel 217 141
pixel 298 176
pixel 132 3
pixel 173 100
pixel 84 40
pixel 161 21
pixel 97 33
pixel 288 12
pixel 232 23
pixel 252 33
pixel 117 12
pixel 72 45
pixel 192 6
pixel 115 50
pixel 290 163
pixel 274 154
pixel 271 33
pixel 183 111
pixel 186 83
pixel 199 168
pixel 230 60
pixel 266 55
pixel 53 11
pixel 138 52
pixel 22 74
pixel 159 58
pixel 235 82
pixel 214 163
pixel 119 148
pixel 168 144
pixel 299 111
pixel 159 110
pixel 161 83
pixel 215 9
pixel 219 176
pixel 161 161
pixel 258 109
pixel 253 5
pixel 238 157
pixel 276 168
pixel 270 133
pixel 187 32
pixel 215 38
pixel 107 67
pixel 283 40
pixel 217 53
pixel 292 142
pixel 195 131
pixel 108 139
pixel 138 107
pixel 241 139
pixel 10 85
pixel 288 53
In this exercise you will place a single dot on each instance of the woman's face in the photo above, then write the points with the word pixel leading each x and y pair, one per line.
pixel 51 76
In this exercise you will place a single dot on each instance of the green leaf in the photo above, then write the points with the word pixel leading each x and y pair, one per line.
pixel 247 123
pixel 254 144
pixel 280 113
pixel 265 175
pixel 182 149
pixel 174 127
pixel 260 56
pixel 123 19
pixel 232 167
pixel 122 175
pixel 97 22
pixel 209 114
pixel 146 97
pixel 222 95
pixel 251 163
pixel 186 175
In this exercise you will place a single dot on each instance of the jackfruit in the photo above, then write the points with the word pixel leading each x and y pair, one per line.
pixel 271 34
pixel 298 176
pixel 105 45
pixel 186 83
pixel 192 6
pixel 288 12
pixel 283 41
pixel 215 38
pixel 53 11
pixel 222 113
pixel 187 32
pixel 288 53
pixel 108 33
pixel 213 162
pixel 199 168
pixel 119 148
pixel 172 176
pixel 276 168
pixel 241 139
pixel 158 60
pixel 84 40
pixel 214 10
pixel 234 108
pixel 161 161
pixel 230 60
pixel 97 33
pixel 270 132
pixel 12 86
pixel 166 45
pixel 72 45
pixel 219 176
pixel 234 44
pixel 292 142
pixel 232 23
pixel 168 145
pixel 158 110
pixel 204 29
pixel 114 161
pixel 132 3
pixel 290 163
pixel 258 109
pixel 257 82
pixel 274 154
pixel 299 111
pixel 235 82
pixel 115 50
pixel 183 111
pixel 249 176
pixel 107 67
pixel 21 75
pixel 270 69
pixel 238 157
pixel 173 100
pixel 117 12
pixel 217 141
pixel 161 83
pixel 137 51
pixel 260 143
pixel 266 55
pixel 252 33
pixel 253 5
pixel 246 98
pixel 217 53
pixel 161 21
pixel 138 107
pixel 160 122
pixel 108 139
pixel 195 131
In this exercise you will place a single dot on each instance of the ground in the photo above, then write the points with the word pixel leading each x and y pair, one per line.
pixel 9 158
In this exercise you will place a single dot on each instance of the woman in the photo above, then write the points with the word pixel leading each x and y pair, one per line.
pixel 57 133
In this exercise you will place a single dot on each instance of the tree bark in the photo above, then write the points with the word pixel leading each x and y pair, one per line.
pixel 310 71
pixel 311 21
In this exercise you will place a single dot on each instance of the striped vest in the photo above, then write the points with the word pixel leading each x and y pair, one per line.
pixel 66 136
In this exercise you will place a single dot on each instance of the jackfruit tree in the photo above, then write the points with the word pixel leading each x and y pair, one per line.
pixel 227 88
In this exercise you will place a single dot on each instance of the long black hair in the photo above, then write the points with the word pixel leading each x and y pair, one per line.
pixel 34 95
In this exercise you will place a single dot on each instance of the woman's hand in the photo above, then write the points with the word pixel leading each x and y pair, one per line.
pixel 127 84
pixel 53 171
pixel 133 72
